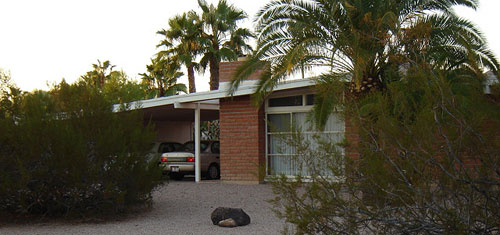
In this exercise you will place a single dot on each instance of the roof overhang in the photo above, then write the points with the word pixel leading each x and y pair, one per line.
pixel 181 107
pixel 181 112
pixel 203 98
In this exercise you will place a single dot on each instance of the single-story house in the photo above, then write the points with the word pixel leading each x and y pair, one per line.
pixel 248 144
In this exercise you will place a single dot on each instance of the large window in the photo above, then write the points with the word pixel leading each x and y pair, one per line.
pixel 282 122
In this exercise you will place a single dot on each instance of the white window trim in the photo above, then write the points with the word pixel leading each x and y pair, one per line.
pixel 288 110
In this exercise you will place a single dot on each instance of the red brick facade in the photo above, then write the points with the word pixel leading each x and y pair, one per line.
pixel 243 136
pixel 352 137
pixel 242 140
pixel 227 70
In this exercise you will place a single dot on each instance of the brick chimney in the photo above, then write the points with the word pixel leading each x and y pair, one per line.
pixel 228 69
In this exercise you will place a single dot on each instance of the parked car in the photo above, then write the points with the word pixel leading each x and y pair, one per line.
pixel 157 148
pixel 181 163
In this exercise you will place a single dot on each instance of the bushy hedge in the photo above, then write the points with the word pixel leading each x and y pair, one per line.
pixel 428 164
pixel 64 152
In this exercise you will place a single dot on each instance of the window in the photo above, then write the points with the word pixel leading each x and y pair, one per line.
pixel 286 101
pixel 310 99
pixel 189 146
pixel 279 123
pixel 215 147
pixel 169 147
pixel 282 158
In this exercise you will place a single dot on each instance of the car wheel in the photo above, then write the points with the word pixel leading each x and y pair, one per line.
pixel 213 171
pixel 176 176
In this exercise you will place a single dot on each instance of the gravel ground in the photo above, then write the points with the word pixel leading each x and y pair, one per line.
pixel 180 207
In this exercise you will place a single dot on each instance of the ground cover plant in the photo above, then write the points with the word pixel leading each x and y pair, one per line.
pixel 65 153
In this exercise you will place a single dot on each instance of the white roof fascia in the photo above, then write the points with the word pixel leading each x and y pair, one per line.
pixel 294 84
pixel 210 95
pixel 201 105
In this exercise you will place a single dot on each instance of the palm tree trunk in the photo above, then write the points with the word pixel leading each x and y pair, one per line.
pixel 214 75
pixel 191 81
pixel 365 85
pixel 161 91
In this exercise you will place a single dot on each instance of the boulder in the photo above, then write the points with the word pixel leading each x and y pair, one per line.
pixel 228 223
pixel 237 214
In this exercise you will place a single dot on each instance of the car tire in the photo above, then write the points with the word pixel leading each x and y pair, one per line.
pixel 213 172
pixel 176 176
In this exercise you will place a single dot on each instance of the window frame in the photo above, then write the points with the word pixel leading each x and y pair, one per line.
pixel 176 146
pixel 304 108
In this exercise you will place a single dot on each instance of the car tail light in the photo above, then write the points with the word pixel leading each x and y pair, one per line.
pixel 163 159
pixel 190 159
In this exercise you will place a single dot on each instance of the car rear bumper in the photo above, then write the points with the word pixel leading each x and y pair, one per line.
pixel 180 167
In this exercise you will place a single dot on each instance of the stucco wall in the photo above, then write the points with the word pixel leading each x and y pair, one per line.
pixel 174 131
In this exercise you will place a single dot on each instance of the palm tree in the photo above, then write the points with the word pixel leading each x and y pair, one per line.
pixel 99 75
pixel 182 41
pixel 363 42
pixel 222 39
pixel 162 76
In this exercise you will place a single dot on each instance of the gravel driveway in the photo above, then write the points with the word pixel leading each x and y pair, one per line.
pixel 180 207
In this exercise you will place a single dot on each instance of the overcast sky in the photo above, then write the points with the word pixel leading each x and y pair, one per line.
pixel 45 41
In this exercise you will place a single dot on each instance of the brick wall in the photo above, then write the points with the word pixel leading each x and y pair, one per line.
pixel 242 140
pixel 352 137
pixel 227 70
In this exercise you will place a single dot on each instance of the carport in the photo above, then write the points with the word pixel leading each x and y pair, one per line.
pixel 243 133
pixel 188 108
pixel 242 125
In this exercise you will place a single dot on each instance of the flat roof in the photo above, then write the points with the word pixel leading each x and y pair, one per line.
pixel 211 97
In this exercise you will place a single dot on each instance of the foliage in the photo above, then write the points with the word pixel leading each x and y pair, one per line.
pixel 222 39
pixel 365 42
pixel 65 153
pixel 183 42
pixel 9 95
pixel 214 35
pixel 161 78
pixel 429 156
pixel 5 83
pixel 408 76
pixel 115 86
pixel 99 75
pixel 210 130
pixel 119 89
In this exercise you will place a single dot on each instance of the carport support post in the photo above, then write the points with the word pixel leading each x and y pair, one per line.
pixel 197 172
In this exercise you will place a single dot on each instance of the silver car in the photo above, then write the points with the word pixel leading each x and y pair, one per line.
pixel 180 163
pixel 157 148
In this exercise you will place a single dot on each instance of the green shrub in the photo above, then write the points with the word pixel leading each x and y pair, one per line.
pixel 64 152
pixel 429 164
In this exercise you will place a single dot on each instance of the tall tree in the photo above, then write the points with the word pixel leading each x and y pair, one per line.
pixel 222 39
pixel 182 42
pixel 115 86
pixel 363 42
pixel 428 163
pixel 416 101
pixel 5 82
pixel 162 75
pixel 10 95
pixel 119 88
pixel 100 74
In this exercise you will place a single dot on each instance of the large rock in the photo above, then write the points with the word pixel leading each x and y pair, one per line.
pixel 237 214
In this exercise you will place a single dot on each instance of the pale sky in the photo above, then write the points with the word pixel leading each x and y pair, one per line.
pixel 45 41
